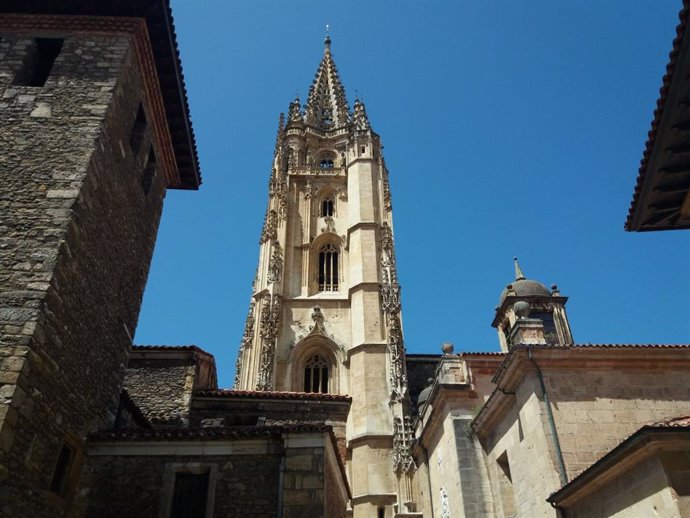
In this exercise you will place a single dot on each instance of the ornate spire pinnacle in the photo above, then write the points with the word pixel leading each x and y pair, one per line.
pixel 326 106
pixel 360 119
pixel 327 40
pixel 518 271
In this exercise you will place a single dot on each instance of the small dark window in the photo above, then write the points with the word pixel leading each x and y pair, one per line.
pixel 364 149
pixel 136 136
pixel 39 62
pixel 62 467
pixel 328 268
pixel 326 164
pixel 189 496
pixel 550 332
pixel 316 375
pixel 149 172
pixel 327 207
pixel 382 512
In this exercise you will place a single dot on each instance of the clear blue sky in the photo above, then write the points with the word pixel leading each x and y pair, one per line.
pixel 510 128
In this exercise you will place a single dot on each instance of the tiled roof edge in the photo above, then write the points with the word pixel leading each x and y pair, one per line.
pixel 659 110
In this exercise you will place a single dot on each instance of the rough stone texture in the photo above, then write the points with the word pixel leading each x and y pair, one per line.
pixel 76 238
pixel 163 394
pixel 132 486
pixel 303 491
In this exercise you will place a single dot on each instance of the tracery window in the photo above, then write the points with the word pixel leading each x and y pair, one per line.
pixel 327 206
pixel 326 164
pixel 316 375
pixel 328 268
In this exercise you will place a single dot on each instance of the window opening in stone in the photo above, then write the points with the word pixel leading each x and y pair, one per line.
pixel 39 62
pixel 136 136
pixel 327 206
pixel 505 485
pixel 364 149
pixel 328 268
pixel 149 172
pixel 326 164
pixel 382 512
pixel 62 467
pixel 316 375
pixel 189 495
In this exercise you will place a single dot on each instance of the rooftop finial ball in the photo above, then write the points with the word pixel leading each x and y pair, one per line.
pixel 521 309
pixel 447 348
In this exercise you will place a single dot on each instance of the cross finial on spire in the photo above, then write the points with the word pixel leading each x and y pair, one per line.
pixel 327 41
pixel 518 271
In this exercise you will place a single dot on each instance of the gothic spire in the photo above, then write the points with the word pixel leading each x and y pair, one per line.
pixel 326 106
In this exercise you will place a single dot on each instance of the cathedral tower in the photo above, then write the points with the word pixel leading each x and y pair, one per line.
pixel 325 309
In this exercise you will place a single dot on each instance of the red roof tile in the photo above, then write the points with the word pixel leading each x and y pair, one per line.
pixel 208 433
pixel 261 394
pixel 673 422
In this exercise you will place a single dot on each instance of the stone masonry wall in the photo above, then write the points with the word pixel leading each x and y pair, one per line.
pixel 304 483
pixel 134 486
pixel 162 390
pixel 595 411
pixel 76 238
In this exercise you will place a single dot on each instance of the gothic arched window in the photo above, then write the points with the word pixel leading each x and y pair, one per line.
pixel 316 375
pixel 327 206
pixel 326 164
pixel 328 268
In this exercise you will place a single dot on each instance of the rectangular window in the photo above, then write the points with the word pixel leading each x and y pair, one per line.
pixel 62 468
pixel 136 136
pixel 38 64
pixel 189 495
pixel 149 172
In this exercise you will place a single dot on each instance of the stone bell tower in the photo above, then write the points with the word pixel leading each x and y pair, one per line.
pixel 547 306
pixel 325 309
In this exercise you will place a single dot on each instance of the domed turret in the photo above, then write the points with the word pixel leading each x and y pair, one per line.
pixel 545 305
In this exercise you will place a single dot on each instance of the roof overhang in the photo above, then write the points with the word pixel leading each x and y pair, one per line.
pixel 646 442
pixel 661 200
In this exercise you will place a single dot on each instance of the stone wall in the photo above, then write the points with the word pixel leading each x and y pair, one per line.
pixel 596 410
pixel 135 485
pixel 76 239
pixel 162 390
pixel 642 491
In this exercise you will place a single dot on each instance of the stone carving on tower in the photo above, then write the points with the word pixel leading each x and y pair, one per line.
pixel 327 255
